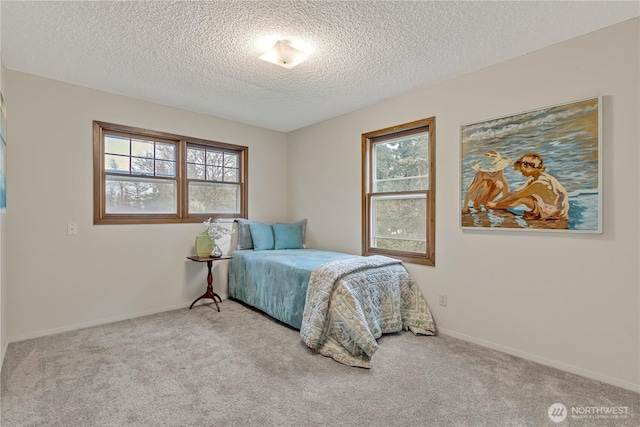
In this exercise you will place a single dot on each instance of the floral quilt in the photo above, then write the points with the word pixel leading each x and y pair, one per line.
pixel 352 302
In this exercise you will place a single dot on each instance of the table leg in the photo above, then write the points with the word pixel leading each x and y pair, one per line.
pixel 209 293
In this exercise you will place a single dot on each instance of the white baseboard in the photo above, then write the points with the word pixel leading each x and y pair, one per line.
pixel 93 323
pixel 544 361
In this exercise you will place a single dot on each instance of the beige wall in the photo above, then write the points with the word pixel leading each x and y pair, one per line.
pixel 566 300
pixel 106 272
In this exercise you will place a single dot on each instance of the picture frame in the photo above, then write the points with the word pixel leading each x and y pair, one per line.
pixel 3 156
pixel 538 170
pixel 3 176
pixel 3 118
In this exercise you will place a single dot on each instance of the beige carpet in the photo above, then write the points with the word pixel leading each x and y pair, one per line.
pixel 240 368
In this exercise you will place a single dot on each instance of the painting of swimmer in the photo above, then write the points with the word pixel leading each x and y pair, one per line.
pixel 539 170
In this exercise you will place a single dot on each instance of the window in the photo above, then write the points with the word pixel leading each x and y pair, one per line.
pixel 398 194
pixel 143 176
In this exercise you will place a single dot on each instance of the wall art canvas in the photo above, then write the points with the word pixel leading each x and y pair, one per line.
pixel 3 156
pixel 539 170
pixel 3 176
pixel 3 118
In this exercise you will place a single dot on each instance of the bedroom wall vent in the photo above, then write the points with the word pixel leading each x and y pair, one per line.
pixel 284 54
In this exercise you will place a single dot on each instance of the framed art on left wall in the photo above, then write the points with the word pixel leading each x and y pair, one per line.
pixel 3 156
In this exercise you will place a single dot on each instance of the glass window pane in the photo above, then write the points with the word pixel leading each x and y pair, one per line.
pixel 214 158
pixel 399 223
pixel 214 198
pixel 165 151
pixel 165 168
pixel 401 158
pixel 230 175
pixel 195 155
pixel 195 171
pixel 117 164
pixel 214 173
pixel 116 145
pixel 141 148
pixel 402 184
pixel 231 160
pixel 128 195
pixel 142 166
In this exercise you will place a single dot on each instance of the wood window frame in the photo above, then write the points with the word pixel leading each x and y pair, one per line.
pixel 182 142
pixel 368 139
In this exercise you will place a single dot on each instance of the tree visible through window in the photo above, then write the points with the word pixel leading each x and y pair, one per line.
pixel 213 176
pixel 398 192
pixel 140 175
pixel 143 176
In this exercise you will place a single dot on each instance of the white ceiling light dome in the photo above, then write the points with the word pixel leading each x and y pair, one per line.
pixel 284 54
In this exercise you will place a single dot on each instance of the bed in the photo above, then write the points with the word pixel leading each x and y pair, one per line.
pixel 341 303
pixel 275 281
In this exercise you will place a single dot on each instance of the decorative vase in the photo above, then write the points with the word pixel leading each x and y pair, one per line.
pixel 204 245
pixel 216 252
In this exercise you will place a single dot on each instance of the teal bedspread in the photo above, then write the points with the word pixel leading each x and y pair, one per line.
pixel 276 281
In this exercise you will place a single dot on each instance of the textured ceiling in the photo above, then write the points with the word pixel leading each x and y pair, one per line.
pixel 202 56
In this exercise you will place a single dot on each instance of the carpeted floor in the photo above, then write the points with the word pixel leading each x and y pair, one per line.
pixel 240 368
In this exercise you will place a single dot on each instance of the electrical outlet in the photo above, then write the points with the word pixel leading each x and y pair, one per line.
pixel 443 300
pixel 72 229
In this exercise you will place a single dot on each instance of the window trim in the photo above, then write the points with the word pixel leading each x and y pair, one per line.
pixel 368 139
pixel 182 142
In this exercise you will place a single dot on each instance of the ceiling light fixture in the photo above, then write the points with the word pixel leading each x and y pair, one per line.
pixel 284 55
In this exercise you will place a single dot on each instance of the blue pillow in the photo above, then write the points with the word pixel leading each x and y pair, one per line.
pixel 244 234
pixel 262 236
pixel 302 224
pixel 287 236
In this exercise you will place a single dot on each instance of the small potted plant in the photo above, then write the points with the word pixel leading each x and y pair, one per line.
pixel 215 231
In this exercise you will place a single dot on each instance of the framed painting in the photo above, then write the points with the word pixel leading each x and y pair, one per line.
pixel 3 176
pixel 3 118
pixel 3 156
pixel 539 170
